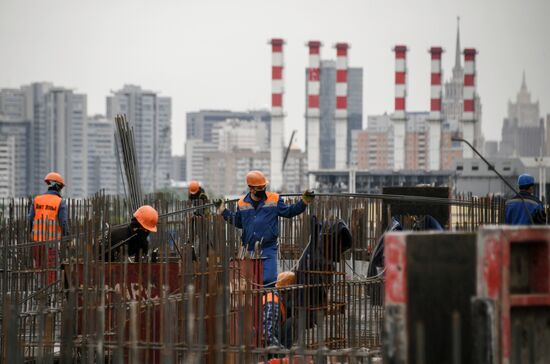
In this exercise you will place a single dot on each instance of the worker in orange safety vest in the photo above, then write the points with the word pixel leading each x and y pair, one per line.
pixel 274 312
pixel 48 221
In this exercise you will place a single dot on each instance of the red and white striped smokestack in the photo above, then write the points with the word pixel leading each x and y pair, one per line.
pixel 435 83
pixel 468 113
pixel 313 113
pixel 434 121
pixel 277 115
pixel 341 113
pixel 399 116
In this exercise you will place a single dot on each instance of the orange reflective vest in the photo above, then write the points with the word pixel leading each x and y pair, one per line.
pixel 271 297
pixel 272 199
pixel 45 225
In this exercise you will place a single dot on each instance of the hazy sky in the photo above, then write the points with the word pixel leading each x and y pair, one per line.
pixel 213 54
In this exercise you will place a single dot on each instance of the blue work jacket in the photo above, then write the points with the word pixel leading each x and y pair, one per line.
pixel 516 214
pixel 262 223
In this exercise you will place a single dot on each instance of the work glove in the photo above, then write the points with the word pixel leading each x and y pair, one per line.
pixel 220 206
pixel 308 196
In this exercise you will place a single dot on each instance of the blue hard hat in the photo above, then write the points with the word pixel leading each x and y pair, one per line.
pixel 526 180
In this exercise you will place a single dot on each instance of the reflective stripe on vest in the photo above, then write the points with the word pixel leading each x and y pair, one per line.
pixel 270 297
pixel 271 200
pixel 45 224
pixel 243 205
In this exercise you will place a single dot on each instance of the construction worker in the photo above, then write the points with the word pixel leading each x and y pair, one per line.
pixel 525 208
pixel 258 215
pixel 133 235
pixel 48 220
pixel 274 309
pixel 196 192
pixel 197 196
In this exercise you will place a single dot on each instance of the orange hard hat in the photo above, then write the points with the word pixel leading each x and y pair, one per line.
pixel 54 177
pixel 256 179
pixel 194 187
pixel 285 279
pixel 278 361
pixel 147 217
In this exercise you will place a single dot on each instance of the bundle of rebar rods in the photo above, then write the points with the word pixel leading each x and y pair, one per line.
pixel 126 154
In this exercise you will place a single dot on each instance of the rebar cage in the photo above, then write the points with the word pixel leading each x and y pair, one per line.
pixel 197 300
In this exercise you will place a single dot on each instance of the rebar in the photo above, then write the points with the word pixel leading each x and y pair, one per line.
pixel 126 150
pixel 198 302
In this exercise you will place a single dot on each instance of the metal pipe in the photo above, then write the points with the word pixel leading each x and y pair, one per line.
pixel 420 199
pixel 492 168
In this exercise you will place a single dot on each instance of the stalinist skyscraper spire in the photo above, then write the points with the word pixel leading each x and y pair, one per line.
pixel 453 108
pixel 458 71
pixel 452 102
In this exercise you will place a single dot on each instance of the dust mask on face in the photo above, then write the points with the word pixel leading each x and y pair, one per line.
pixel 260 194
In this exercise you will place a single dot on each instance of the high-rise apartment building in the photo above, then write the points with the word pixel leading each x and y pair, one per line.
pixel 416 141
pixel 225 173
pixel 240 134
pixel 195 150
pixel 66 139
pixel 12 104
pixel 28 104
pixel 375 144
pixel 150 117
pixel 104 172
pixel 19 130
pixel 179 166
pixel 222 146
pixel 327 106
pixel 53 133
pixel 56 134
pixel 7 165
pixel 295 171
pixel 35 111
pixel 200 124
pixel 205 127
pixel 236 139
pixel 450 151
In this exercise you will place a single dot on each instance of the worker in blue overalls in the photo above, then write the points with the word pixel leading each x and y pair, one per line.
pixel 258 215
pixel 525 208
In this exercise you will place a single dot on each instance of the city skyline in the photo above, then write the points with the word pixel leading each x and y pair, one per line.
pixel 228 67
pixel 62 109
pixel 46 127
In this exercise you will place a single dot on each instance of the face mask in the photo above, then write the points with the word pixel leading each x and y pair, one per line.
pixel 54 186
pixel 140 233
pixel 260 194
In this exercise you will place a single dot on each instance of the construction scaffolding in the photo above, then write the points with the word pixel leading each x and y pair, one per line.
pixel 194 298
